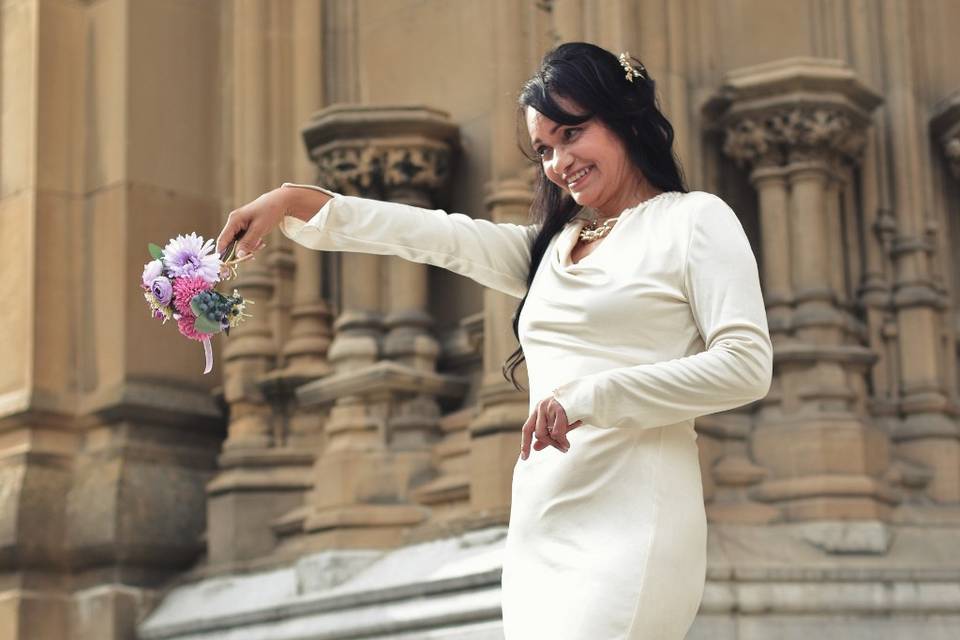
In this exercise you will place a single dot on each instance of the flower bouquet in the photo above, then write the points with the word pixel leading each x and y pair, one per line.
pixel 179 284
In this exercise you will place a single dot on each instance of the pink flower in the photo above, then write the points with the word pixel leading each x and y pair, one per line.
pixel 185 324
pixel 183 291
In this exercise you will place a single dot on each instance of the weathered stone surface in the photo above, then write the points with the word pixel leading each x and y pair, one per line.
pixel 831 129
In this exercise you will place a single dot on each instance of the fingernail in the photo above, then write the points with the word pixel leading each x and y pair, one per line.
pixel 241 253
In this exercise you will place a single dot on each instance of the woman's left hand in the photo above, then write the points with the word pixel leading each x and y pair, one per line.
pixel 549 423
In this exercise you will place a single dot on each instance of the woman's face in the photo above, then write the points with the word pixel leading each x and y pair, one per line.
pixel 588 160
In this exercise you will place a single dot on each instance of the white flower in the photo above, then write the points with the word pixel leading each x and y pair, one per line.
pixel 151 270
pixel 187 256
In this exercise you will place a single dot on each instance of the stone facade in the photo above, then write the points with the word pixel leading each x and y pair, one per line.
pixel 346 470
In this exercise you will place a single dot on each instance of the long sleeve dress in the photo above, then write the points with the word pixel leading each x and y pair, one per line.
pixel 663 322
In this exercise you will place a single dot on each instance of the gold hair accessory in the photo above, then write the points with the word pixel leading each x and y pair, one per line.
pixel 631 72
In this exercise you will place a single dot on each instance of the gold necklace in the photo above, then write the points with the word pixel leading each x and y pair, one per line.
pixel 594 231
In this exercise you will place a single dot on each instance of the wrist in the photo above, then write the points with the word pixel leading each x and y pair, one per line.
pixel 303 201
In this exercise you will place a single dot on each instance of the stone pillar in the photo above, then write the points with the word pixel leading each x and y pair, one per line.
pixel 734 472
pixel 495 432
pixel 413 172
pixel 940 450
pixel 795 121
pixel 261 477
pixel 384 417
pixel 448 495
pixel 99 404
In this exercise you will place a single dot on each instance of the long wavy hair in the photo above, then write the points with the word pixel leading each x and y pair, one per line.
pixel 594 80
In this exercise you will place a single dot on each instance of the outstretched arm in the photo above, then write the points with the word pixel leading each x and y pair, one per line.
pixel 495 255
pixel 723 288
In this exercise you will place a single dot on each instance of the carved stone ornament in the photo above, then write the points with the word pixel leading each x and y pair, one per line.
pixel 374 151
pixel 945 126
pixel 791 109
pixel 767 138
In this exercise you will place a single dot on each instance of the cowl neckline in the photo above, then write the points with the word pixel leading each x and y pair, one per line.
pixel 571 232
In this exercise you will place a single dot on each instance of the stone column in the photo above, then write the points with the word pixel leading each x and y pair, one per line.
pixel 261 478
pixel 413 172
pixel 794 121
pixel 495 432
pixel 384 417
pixel 734 471
pixel 934 405
pixel 305 344
pixel 108 431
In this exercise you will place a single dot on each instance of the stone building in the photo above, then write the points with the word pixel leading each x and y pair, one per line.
pixel 346 470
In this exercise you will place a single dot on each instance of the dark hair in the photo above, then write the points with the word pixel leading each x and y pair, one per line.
pixel 594 79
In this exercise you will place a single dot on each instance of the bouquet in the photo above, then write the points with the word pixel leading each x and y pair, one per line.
pixel 179 283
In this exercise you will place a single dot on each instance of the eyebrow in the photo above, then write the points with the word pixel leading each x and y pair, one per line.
pixel 538 140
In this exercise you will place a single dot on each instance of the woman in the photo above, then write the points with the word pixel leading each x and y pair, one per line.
pixel 641 310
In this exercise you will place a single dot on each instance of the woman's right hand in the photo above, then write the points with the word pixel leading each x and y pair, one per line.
pixel 251 222
pixel 254 220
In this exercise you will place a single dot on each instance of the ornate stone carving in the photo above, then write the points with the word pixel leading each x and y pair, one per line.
pixel 768 138
pixel 372 151
pixel 379 166
pixel 789 109
pixel 952 148
pixel 945 125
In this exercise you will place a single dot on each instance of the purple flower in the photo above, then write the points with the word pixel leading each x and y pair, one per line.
pixel 187 256
pixel 162 290
pixel 151 270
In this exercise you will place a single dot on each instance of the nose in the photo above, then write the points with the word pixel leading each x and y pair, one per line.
pixel 560 163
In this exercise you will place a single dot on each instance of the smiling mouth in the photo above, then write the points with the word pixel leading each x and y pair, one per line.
pixel 579 177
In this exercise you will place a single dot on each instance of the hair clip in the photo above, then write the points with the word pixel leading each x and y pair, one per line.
pixel 631 72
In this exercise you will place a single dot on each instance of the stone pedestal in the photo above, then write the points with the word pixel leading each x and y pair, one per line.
pixel 381 428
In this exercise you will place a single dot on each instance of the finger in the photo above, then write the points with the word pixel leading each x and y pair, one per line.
pixel 541 427
pixel 540 445
pixel 578 423
pixel 234 227
pixel 249 242
pixel 526 434
pixel 559 432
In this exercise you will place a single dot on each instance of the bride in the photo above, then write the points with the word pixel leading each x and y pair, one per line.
pixel 640 310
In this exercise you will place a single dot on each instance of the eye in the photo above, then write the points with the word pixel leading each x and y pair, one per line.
pixel 542 152
pixel 571 133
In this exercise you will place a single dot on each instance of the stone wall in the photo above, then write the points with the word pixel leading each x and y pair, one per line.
pixel 359 426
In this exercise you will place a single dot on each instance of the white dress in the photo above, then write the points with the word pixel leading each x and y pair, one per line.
pixel 663 322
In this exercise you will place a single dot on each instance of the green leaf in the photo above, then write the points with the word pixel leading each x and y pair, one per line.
pixel 155 251
pixel 195 306
pixel 206 326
